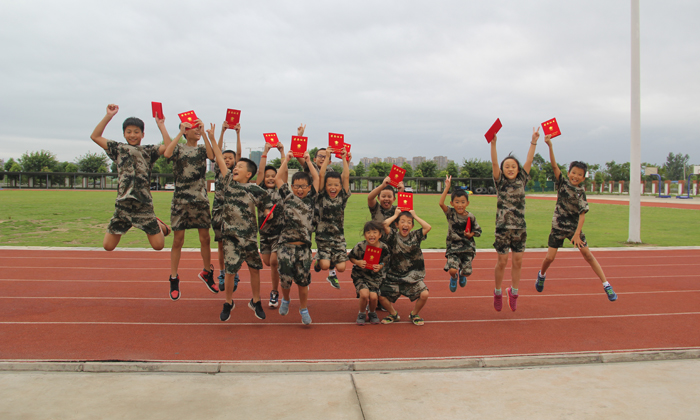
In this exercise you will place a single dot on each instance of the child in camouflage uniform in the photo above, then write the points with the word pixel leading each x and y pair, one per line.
pixel 406 269
pixel 460 248
pixel 368 280
pixel 384 208
pixel 134 204
pixel 330 233
pixel 190 205
pixel 217 206
pixel 567 222
pixel 510 180
pixel 294 244
pixel 240 229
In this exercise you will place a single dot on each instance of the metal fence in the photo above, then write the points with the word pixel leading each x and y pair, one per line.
pixel 71 180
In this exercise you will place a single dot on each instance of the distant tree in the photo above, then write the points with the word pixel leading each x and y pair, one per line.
pixel 382 168
pixel 14 168
pixel 38 161
pixel 418 173
pixel 292 164
pixel 373 171
pixel 113 166
pixel 539 162
pixel 452 169
pixel 617 172
pixel 9 164
pixel 428 168
pixel 409 169
pixel 676 166
pixel 359 169
pixel 464 173
pixel 313 152
pixel 92 162
pixel 442 174
pixel 543 180
pixel 599 178
pixel 478 168
pixel 337 167
pixel 534 174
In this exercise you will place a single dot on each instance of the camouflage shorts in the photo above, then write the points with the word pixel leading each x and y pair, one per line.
pixel 513 239
pixel 268 244
pixel 236 252
pixel 333 251
pixel 294 265
pixel 217 222
pixel 461 261
pixel 367 283
pixel 557 236
pixel 133 213
pixel 190 216
pixel 392 290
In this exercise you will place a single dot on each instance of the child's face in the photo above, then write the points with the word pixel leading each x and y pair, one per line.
pixel 133 135
pixel 460 204
pixel 193 134
pixel 333 187
pixel 372 237
pixel 230 160
pixel 510 168
pixel 405 224
pixel 301 188
pixel 576 176
pixel 320 157
pixel 270 178
pixel 240 173
pixel 386 199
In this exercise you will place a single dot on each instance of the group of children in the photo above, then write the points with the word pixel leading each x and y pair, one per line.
pixel 285 217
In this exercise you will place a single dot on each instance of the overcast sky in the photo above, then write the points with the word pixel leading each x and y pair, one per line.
pixel 398 78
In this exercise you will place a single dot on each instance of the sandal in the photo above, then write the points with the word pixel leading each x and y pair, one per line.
pixel 416 319
pixel 391 318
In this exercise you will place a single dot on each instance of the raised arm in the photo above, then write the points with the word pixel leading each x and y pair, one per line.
pixel 96 135
pixel 390 220
pixel 426 227
pixel 160 122
pixel 448 183
pixel 300 133
pixel 283 171
pixel 312 171
pixel 224 127
pixel 346 171
pixel 372 196
pixel 494 160
pixel 168 153
pixel 238 142
pixel 214 147
pixel 555 167
pixel 324 167
pixel 207 145
pixel 531 151
pixel 260 177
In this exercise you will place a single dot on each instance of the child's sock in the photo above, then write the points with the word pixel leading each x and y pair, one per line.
pixel 606 284
pixel 332 272
pixel 513 290
pixel 498 292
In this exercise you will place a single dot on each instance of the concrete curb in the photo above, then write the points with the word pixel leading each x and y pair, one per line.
pixel 349 366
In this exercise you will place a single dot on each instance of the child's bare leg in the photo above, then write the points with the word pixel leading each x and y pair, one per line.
pixel 364 299
pixel 420 302
pixel 303 296
pixel 340 267
pixel 266 259
pixel 515 269
pixel 500 269
pixel 157 241
pixel 220 255
pixel 453 272
pixel 228 282
pixel 590 259
pixel 205 247
pixel 176 250
pixel 111 241
pixel 549 259
pixel 373 299
pixel 285 294
pixel 255 283
pixel 386 303
pixel 325 264
pixel 275 274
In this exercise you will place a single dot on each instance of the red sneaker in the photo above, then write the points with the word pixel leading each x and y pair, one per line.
pixel 512 300
pixel 497 302
pixel 207 276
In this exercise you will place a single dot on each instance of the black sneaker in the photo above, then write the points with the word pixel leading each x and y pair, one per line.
pixel 257 308
pixel 317 266
pixel 207 276
pixel 174 287
pixel 539 284
pixel 226 312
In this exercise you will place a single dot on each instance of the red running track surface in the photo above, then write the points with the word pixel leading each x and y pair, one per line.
pixel 97 305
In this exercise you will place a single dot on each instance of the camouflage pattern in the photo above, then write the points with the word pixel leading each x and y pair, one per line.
pixel 557 237
pixel 510 213
pixel 331 220
pixel 406 263
pixel 240 203
pixel 217 208
pixel 456 224
pixel 392 290
pixel 571 203
pixel 461 261
pixel 273 226
pixel 333 251
pixel 134 166
pixel 236 251
pixel 379 214
pixel 294 265
pixel 128 213
pixel 191 216
pixel 268 244
pixel 513 239
pixel 364 278
pixel 297 216
pixel 190 205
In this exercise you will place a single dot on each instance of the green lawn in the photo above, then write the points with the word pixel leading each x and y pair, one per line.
pixel 79 218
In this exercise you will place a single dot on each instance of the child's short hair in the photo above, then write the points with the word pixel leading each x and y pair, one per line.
pixel 407 214
pixel 389 188
pixel 580 165
pixel 373 225
pixel 230 151
pixel 251 166
pixel 136 122
pixel 510 156
pixel 270 167
pixel 330 175
pixel 302 176
pixel 320 150
pixel 458 192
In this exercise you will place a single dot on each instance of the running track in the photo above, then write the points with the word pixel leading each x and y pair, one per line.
pixel 96 305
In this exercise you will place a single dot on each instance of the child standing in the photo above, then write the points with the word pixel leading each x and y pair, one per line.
pixel 462 227
pixel 406 269
pixel 567 222
pixel 368 280
pixel 510 180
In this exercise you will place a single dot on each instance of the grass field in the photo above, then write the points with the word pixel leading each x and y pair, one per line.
pixel 79 218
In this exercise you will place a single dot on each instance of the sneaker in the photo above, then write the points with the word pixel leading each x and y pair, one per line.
pixel 373 318
pixel 317 266
pixel 453 284
pixel 333 280
pixel 274 299
pixel 257 308
pixel 462 280
pixel 539 284
pixel 305 317
pixel 361 317
pixel 284 307
pixel 175 288
pixel 207 276
pixel 222 282
pixel 226 312
pixel 497 301
pixel 236 279
pixel 612 296
pixel 512 300
pixel 381 308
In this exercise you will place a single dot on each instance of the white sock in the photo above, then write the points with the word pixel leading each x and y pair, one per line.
pixel 332 272
pixel 606 284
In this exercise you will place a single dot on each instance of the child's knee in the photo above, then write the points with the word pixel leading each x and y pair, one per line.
pixel 204 237
pixel 424 295
pixel 325 264
pixel 364 294
pixel 453 272
pixel 373 298
pixel 340 267
pixel 108 246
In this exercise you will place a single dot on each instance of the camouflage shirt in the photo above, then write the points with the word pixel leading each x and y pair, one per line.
pixel 406 262
pixel 331 216
pixel 456 224
pixel 297 216
pixel 358 253
pixel 240 202
pixel 134 166
pixel 571 202
pixel 510 213
pixel 189 168
pixel 274 225
pixel 379 214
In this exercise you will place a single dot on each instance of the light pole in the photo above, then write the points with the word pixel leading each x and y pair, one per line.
pixel 635 142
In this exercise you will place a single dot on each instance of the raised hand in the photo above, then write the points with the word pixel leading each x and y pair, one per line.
pixel 535 134
pixel 548 139
pixel 301 129
pixel 112 109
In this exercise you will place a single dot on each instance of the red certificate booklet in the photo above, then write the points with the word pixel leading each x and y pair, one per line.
pixel 271 138
pixel 299 145
pixel 396 175
pixel 233 117
pixel 157 108
pixel 372 256
pixel 189 117
pixel 268 216
pixel 468 229
pixel 551 128
pixel 405 202
pixel 336 141
pixel 347 148
pixel 495 128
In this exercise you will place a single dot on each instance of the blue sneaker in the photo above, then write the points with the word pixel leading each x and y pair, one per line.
pixel 235 282
pixel 305 317
pixel 462 280
pixel 539 284
pixel 453 284
pixel 284 307
pixel 612 296
pixel 222 281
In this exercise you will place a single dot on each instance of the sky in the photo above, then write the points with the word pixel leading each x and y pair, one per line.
pixel 398 78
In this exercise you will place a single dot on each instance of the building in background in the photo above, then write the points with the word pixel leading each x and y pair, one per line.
pixel 441 162
pixel 417 160
pixel 255 156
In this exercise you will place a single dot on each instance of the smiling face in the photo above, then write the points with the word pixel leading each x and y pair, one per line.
pixel 230 160
pixel 386 199
pixel 241 173
pixel 372 237
pixel 320 157
pixel 576 176
pixel 133 135
pixel 333 187
pixel 510 168
pixel 405 224
pixel 301 188
pixel 270 178
pixel 193 134
pixel 460 204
